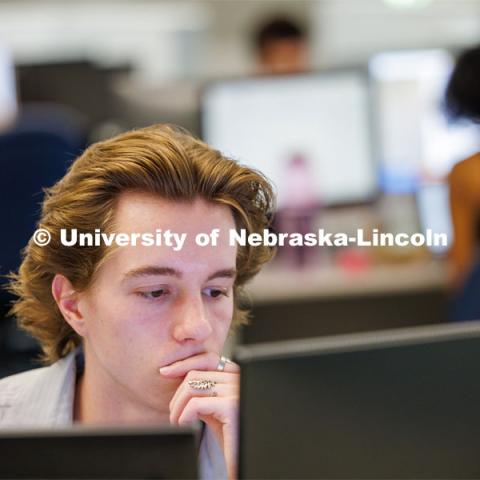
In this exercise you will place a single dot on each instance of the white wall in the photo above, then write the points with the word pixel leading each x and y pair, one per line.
pixel 348 31
pixel 166 39
pixel 147 34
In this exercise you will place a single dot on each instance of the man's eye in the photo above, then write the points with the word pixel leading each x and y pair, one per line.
pixel 154 293
pixel 216 292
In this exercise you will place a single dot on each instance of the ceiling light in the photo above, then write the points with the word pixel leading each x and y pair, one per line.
pixel 407 3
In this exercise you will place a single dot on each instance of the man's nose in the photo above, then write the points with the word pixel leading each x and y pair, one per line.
pixel 192 323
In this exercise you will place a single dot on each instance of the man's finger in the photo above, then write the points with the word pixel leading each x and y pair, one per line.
pixel 185 393
pixel 208 361
pixel 222 409
pixel 218 377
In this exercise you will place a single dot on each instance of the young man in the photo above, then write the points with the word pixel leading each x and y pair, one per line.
pixel 134 331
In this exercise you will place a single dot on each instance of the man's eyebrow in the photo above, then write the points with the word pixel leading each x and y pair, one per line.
pixel 226 273
pixel 154 270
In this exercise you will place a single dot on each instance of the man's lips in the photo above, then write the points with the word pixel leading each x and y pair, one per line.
pixel 180 358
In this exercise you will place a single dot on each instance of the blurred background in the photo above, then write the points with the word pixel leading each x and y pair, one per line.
pixel 341 103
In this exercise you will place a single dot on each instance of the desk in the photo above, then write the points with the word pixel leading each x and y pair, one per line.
pixel 316 302
pixel 276 283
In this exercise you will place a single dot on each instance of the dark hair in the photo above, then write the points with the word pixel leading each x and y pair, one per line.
pixel 462 99
pixel 279 28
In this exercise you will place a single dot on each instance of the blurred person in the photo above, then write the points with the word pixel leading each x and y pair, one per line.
pixel 463 102
pixel 281 47
pixel 134 334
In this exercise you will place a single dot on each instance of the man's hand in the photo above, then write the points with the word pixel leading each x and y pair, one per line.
pixel 217 406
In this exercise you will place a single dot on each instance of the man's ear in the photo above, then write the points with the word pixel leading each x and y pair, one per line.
pixel 67 299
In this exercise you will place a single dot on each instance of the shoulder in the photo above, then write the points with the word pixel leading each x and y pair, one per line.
pixel 15 390
pixel 466 167
pixel 11 387
pixel 464 179
pixel 32 397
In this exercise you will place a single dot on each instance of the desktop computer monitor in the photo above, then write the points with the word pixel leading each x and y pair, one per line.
pixel 309 134
pixel 100 453
pixel 395 404
pixel 433 207
pixel 8 91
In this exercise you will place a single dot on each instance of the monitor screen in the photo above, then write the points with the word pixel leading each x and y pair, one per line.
pixel 433 206
pixel 393 404
pixel 99 452
pixel 309 134
pixel 8 93
pixel 417 143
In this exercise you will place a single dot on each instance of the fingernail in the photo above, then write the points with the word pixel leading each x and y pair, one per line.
pixel 165 370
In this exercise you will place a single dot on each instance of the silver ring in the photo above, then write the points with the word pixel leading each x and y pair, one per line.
pixel 203 384
pixel 221 364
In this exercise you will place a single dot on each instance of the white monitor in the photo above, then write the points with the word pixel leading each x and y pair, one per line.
pixel 8 93
pixel 309 134
pixel 417 143
pixel 434 213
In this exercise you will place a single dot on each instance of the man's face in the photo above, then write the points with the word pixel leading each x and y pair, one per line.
pixel 151 306
pixel 284 56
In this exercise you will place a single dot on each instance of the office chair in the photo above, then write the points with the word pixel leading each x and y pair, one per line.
pixel 30 160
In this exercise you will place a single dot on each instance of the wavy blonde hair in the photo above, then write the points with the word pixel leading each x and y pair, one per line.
pixel 161 160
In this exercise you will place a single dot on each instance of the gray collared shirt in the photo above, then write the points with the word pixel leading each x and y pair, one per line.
pixel 44 398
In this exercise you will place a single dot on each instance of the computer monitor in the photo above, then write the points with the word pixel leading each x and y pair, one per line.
pixel 416 141
pixel 100 453
pixel 80 85
pixel 277 124
pixel 394 404
pixel 8 91
pixel 433 207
